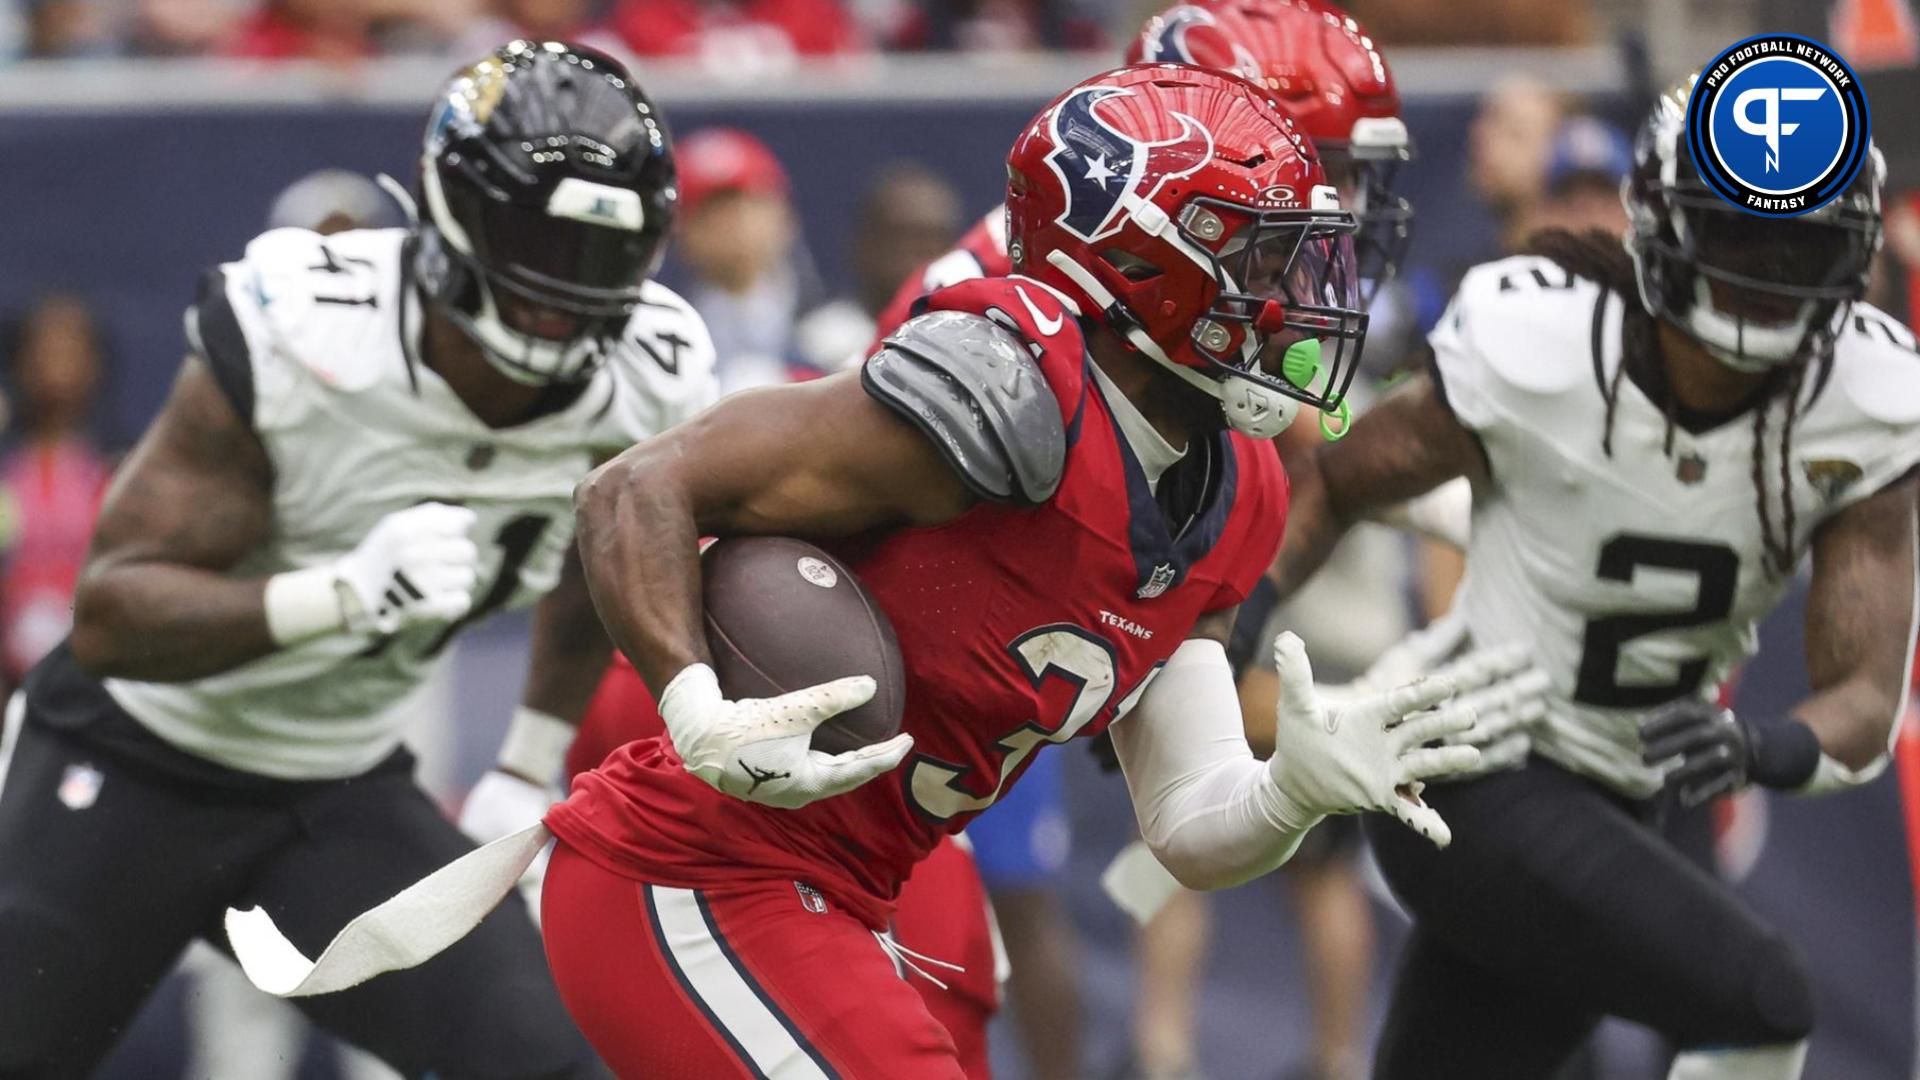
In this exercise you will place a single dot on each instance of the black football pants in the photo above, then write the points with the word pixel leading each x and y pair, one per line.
pixel 1559 903
pixel 108 870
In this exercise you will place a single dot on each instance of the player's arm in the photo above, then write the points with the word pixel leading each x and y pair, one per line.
pixel 815 459
pixel 953 408
pixel 1860 624
pixel 1407 445
pixel 157 599
pixel 1215 816
pixel 154 600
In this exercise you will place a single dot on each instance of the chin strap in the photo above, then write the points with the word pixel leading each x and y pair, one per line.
pixel 1250 409
pixel 400 195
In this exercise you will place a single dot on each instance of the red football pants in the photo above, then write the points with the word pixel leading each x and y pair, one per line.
pixel 684 984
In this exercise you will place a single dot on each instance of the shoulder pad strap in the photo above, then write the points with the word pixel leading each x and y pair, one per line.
pixel 213 331
pixel 970 385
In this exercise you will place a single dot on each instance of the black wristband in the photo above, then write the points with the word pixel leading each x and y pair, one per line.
pixel 1783 755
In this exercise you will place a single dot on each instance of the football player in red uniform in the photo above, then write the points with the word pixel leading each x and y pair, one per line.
pixel 1059 485
pixel 1339 91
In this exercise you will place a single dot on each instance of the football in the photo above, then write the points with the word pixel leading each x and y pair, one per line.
pixel 784 615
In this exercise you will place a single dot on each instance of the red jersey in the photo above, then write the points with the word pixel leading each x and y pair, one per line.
pixel 982 252
pixel 1019 628
pixel 51 493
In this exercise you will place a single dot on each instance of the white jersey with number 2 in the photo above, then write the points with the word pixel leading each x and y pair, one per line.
pixel 1641 577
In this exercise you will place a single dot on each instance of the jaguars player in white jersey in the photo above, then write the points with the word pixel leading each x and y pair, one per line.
pixel 372 444
pixel 1657 437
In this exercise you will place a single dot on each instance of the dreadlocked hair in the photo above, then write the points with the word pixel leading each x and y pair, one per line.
pixel 1600 257
pixel 1781 555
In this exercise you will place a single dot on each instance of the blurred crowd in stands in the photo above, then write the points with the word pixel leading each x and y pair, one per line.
pixel 737 35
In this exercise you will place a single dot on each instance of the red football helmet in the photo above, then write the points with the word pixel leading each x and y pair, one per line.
pixel 1180 206
pixel 1324 68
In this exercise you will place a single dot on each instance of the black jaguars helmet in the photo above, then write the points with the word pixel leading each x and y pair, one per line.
pixel 547 184
pixel 1756 291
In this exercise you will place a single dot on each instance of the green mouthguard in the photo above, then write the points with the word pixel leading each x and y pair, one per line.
pixel 1301 364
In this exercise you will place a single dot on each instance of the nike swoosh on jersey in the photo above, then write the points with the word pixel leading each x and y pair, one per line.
pixel 1047 326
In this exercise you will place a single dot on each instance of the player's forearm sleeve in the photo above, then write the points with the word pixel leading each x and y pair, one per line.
pixel 1206 806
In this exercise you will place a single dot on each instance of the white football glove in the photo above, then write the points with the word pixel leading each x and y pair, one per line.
pixel 759 749
pixel 414 566
pixel 1367 753
pixel 1506 691
pixel 502 804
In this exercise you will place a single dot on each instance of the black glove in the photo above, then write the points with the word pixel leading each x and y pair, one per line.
pixel 1721 753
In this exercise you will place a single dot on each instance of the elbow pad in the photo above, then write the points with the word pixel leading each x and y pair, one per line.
pixel 971 387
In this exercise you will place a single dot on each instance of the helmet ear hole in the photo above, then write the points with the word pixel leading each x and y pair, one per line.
pixel 1133 267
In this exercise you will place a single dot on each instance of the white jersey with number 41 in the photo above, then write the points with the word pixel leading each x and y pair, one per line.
pixel 316 340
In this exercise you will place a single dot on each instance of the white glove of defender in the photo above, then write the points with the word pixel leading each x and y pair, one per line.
pixel 502 804
pixel 1366 753
pixel 758 749
pixel 1506 691
pixel 414 566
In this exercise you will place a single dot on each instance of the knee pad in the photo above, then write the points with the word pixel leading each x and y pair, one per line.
pixel 1781 994
pixel 1764 998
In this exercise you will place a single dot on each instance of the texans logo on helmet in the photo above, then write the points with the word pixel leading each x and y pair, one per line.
pixel 1166 40
pixel 1102 168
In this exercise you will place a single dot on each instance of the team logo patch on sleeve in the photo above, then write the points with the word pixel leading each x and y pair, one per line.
pixel 1778 125
pixel 1831 476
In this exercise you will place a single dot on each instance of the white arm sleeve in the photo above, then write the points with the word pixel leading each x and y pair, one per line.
pixel 1207 807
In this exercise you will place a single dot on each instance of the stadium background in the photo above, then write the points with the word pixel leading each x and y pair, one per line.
pixel 122 180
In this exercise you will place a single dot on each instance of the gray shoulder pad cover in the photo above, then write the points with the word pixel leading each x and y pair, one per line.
pixel 970 385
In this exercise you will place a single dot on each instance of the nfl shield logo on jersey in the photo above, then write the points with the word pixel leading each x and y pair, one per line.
pixel 80 786
pixel 810 898
pixel 1691 468
pixel 1157 582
